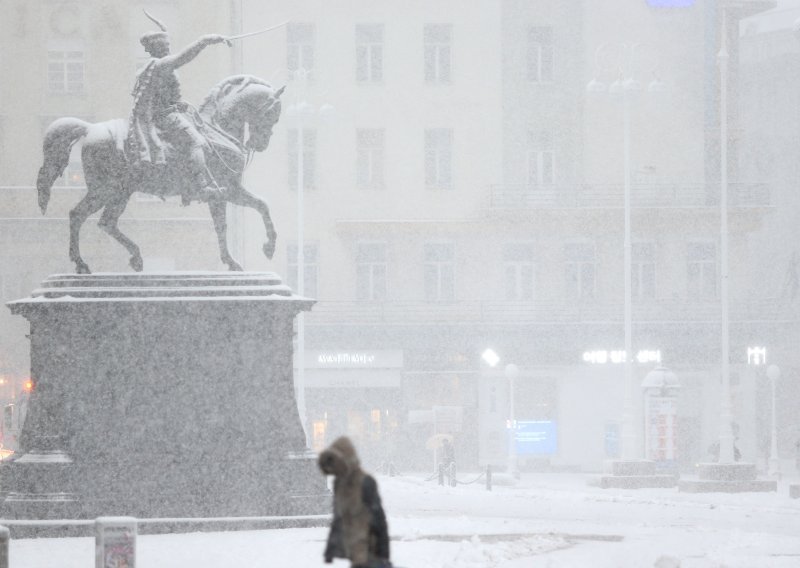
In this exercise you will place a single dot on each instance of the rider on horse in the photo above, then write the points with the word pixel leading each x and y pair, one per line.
pixel 159 112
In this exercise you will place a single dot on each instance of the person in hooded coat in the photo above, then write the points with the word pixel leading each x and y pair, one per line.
pixel 359 531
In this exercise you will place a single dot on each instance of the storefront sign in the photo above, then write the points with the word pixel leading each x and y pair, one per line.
pixel 619 356
pixel 354 359
pixel 536 437
pixel 756 355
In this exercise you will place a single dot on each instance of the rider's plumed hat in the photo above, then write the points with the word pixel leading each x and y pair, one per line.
pixel 149 38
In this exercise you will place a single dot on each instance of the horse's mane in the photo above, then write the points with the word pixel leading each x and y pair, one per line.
pixel 234 84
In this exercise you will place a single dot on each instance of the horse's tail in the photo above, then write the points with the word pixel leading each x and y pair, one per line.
pixel 59 138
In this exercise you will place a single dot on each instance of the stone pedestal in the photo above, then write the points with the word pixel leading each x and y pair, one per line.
pixel 162 395
pixel 727 478
pixel 636 474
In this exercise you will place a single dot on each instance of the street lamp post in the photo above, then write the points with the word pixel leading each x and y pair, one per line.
pixel 302 110
pixel 726 439
pixel 774 373
pixel 512 372
pixel 626 87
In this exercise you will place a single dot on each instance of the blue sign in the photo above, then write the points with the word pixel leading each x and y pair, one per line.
pixel 536 437
pixel 670 3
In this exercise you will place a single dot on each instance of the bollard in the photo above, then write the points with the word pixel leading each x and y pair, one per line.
pixel 4 538
pixel 115 542
pixel 488 478
pixel 441 474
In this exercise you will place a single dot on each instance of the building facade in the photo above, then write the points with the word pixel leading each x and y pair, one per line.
pixel 450 177
pixel 463 190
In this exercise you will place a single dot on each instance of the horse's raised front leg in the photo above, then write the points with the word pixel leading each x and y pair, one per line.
pixel 219 216
pixel 240 196
pixel 91 203
pixel 109 222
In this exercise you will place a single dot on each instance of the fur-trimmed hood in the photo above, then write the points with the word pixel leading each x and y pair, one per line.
pixel 340 459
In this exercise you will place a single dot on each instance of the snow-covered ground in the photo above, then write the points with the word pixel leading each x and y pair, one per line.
pixel 545 520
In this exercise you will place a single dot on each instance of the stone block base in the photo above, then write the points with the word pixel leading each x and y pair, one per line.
pixel 633 467
pixel 794 490
pixel 727 471
pixel 637 481
pixel 721 486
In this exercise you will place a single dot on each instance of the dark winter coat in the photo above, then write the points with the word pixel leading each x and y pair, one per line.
pixel 359 531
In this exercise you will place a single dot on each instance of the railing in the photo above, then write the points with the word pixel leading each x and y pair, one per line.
pixel 660 195
pixel 497 312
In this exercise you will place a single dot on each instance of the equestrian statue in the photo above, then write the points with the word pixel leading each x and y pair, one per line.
pixel 167 147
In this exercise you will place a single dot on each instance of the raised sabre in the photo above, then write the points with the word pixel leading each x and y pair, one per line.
pixel 240 36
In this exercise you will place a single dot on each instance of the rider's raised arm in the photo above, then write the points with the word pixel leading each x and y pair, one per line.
pixel 190 52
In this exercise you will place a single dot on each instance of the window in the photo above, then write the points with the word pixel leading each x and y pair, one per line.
pixel 308 157
pixel 369 166
pixel 299 48
pixel 702 270
pixel 310 269
pixel 437 52
pixel 369 53
pixel 65 71
pixel 438 158
pixel 518 269
pixel 541 159
pixel 643 271
pixel 540 54
pixel 371 268
pixel 440 272
pixel 579 270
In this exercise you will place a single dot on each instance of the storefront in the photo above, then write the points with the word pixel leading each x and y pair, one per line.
pixel 355 393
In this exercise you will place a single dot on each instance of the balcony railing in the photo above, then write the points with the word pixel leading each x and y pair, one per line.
pixel 498 313
pixel 650 195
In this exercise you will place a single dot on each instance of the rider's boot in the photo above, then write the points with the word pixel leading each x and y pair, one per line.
pixel 201 190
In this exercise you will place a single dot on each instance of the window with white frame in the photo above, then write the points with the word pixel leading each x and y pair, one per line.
pixel 437 50
pixel 518 268
pixel 371 270
pixel 438 158
pixel 579 270
pixel 440 268
pixel 369 158
pixel 701 270
pixel 310 269
pixel 65 70
pixel 643 271
pixel 308 157
pixel 369 53
pixel 541 159
pixel 540 54
pixel 299 47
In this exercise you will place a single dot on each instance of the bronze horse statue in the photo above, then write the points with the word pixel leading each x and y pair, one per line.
pixel 235 103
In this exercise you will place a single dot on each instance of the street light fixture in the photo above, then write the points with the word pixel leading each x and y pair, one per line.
pixel 774 373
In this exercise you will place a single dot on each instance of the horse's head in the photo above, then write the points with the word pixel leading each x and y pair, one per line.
pixel 244 99
pixel 262 121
